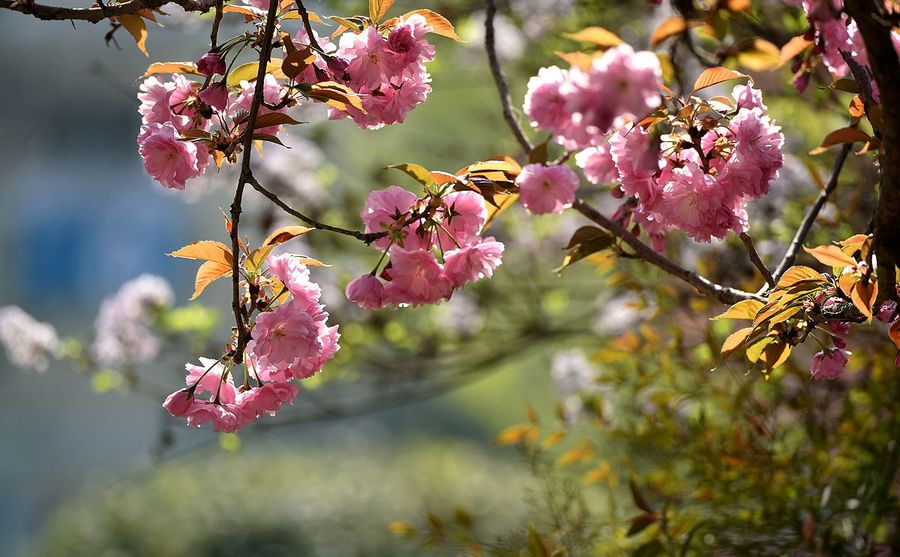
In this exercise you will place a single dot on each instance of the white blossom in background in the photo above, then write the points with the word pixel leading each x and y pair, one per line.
pixel 122 333
pixel 461 314
pixel 573 375
pixel 29 344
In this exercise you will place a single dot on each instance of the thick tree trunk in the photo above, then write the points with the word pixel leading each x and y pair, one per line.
pixel 885 66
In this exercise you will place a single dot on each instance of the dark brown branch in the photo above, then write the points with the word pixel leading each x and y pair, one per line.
pixel 876 30
pixel 362 236
pixel 100 12
pixel 791 254
pixel 703 285
pixel 502 87
pixel 754 257
pixel 265 52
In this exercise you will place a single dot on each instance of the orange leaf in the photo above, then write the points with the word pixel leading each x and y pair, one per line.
pixel 516 434
pixel 735 340
pixel 171 67
pixel 831 256
pixel 138 30
pixel 894 333
pixel 714 76
pixel 863 296
pixel 857 108
pixel 798 273
pixel 843 135
pixel 285 233
pixel 596 35
pixel 745 309
pixel 669 28
pixel 377 8
pixel 438 23
pixel 205 250
pixel 208 273
pixel 793 47
pixel 848 282
pixel 581 60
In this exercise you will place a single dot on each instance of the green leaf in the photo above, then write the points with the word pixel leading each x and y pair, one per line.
pixel 417 172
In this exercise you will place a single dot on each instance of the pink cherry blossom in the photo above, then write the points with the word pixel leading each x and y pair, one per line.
pixel 179 402
pixel 286 334
pixel 473 262
pixel 328 341
pixel 416 278
pixel 597 164
pixel 208 378
pixel 272 93
pixel 693 202
pixel 216 96
pixel 168 159
pixel 545 104
pixel 384 210
pixel 366 291
pixel 547 189
pixel 295 276
pixel 463 213
pixel 829 364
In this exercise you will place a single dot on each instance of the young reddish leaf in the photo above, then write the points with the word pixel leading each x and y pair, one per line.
pixel 793 47
pixel 832 256
pixel 583 452
pixel 785 314
pixel 285 233
pixel 296 61
pixel 775 354
pixel 595 35
pixel 138 30
pixel 516 434
pixel 270 119
pixel 863 296
pixel 640 523
pixel 848 282
pixel 755 351
pixel 377 9
pixel 440 178
pixel 586 241
pixel 310 262
pixel 745 309
pixel 857 108
pixel 798 273
pixel 208 273
pixel 894 333
pixel 506 165
pixel 639 498
pixel 438 23
pixel 714 76
pixel 538 154
pixel 669 28
pixel 576 59
pixel 854 243
pixel 244 10
pixel 171 67
pixel 757 54
pixel 335 95
pixel 553 439
pixel 206 250
pixel 841 136
pixel 735 340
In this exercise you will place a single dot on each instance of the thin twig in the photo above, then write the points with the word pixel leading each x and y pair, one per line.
pixel 102 12
pixel 214 32
pixel 362 236
pixel 502 87
pixel 754 257
pixel 724 294
pixel 265 52
pixel 791 254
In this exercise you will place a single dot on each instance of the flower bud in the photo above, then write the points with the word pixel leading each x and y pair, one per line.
pixel 210 64
pixel 216 96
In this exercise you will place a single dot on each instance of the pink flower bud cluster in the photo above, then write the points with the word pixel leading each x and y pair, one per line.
pixel 291 341
pixel 434 246
pixel 386 69
pixel 178 118
pixel 579 105
pixel 834 32
pixel 696 178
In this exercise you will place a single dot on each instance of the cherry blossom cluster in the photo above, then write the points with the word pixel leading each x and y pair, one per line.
pixel 579 106
pixel 836 34
pixel 386 68
pixel 433 245
pixel 290 340
pixel 693 172
pixel 122 327
pixel 28 343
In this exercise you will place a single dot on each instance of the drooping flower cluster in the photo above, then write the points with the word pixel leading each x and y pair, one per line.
pixel 580 105
pixel 699 175
pixel 122 332
pixel 835 34
pixel 547 189
pixel 434 246
pixel 386 68
pixel 29 344
pixel 291 341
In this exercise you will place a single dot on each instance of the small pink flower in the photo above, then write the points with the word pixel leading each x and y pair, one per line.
pixel 366 291
pixel 216 96
pixel 295 277
pixel 286 334
pixel 169 160
pixel 547 189
pixel 384 209
pixel 463 217
pixel 328 341
pixel 179 402
pixel 416 278
pixel 473 262
pixel 829 364
pixel 597 164
pixel 545 103
pixel 210 64
pixel 207 378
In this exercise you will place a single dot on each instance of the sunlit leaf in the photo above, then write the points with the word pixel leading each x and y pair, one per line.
pixel 417 172
pixel 583 452
pixel 171 67
pixel 208 273
pixel 668 28
pixel 792 48
pixel 136 27
pixel 248 71
pixel 798 273
pixel 595 35
pixel 516 434
pixel 336 95
pixel 439 24
pixel 841 136
pixel 832 256
pixel 206 250
pixel 894 333
pixel 863 296
pixel 377 9
pixel 735 340
pixel 758 55
pixel 285 233
pixel 714 76
pixel 745 309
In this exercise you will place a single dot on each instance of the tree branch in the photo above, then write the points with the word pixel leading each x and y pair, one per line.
pixel 362 236
pixel 724 294
pixel 876 30
pixel 754 257
pixel 265 51
pixel 502 87
pixel 791 254
pixel 101 11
